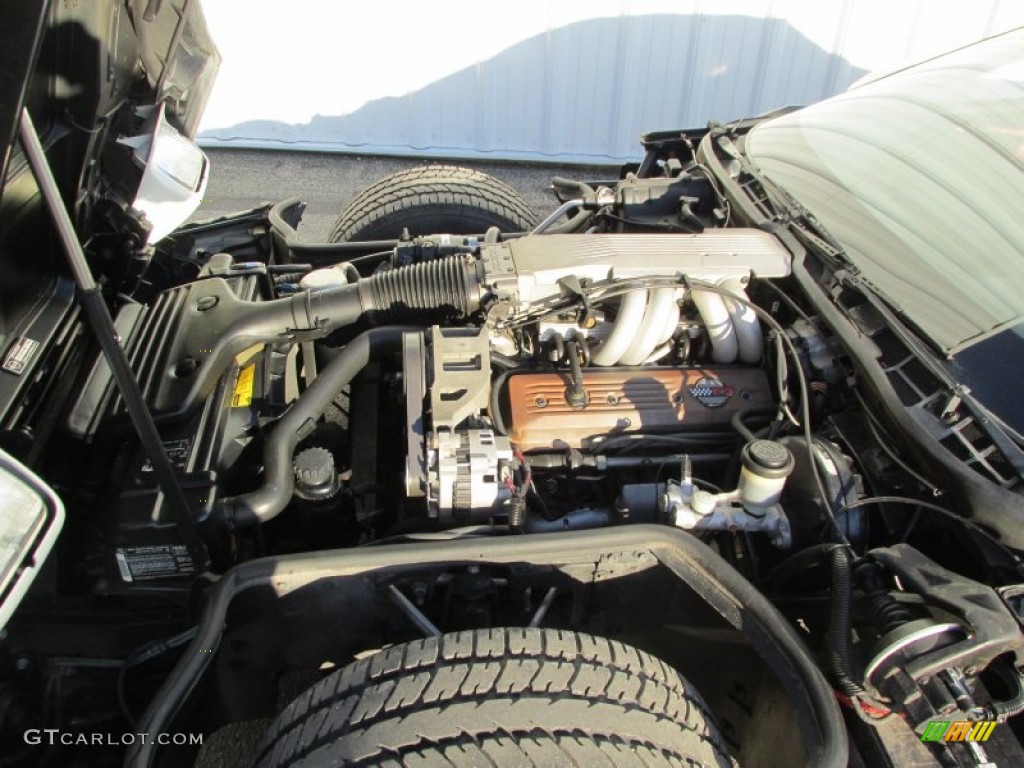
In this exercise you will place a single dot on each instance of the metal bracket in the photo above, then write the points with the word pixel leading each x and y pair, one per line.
pixel 460 379
pixel 413 370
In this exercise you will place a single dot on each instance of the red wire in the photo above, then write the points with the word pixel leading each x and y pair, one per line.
pixel 866 708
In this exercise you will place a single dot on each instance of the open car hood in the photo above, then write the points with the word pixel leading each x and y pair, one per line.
pixel 115 89
pixel 77 65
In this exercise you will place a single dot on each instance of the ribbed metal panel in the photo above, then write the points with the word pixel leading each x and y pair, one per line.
pixel 585 91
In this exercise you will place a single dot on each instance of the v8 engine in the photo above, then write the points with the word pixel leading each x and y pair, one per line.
pixel 570 376
pixel 492 491
pixel 535 382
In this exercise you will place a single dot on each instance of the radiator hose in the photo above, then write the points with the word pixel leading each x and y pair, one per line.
pixel 451 285
pixel 1001 710
pixel 274 493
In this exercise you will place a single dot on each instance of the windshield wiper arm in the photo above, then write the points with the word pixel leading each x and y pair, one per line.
pixel 845 272
pixel 928 353
pixel 823 245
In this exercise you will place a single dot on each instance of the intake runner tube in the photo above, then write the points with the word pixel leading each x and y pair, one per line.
pixel 659 321
pixel 724 346
pixel 267 501
pixel 744 323
pixel 627 324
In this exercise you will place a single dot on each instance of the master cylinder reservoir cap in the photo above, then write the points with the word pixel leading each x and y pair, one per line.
pixel 767 459
pixel 766 465
pixel 315 476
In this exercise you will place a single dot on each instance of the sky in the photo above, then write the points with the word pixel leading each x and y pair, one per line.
pixel 289 61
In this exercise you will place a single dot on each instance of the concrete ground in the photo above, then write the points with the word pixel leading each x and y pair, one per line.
pixel 241 179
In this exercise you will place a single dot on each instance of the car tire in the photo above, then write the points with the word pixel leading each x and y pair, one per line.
pixel 434 199
pixel 522 697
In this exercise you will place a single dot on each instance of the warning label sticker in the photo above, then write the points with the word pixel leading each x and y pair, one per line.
pixel 154 562
pixel 178 451
pixel 20 355
pixel 244 386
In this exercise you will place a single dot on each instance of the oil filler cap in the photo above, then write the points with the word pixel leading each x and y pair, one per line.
pixel 767 458
pixel 315 477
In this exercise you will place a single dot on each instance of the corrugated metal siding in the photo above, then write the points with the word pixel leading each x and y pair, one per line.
pixel 585 91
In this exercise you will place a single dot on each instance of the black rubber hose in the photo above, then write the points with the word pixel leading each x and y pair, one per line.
pixel 739 421
pixel 883 610
pixel 581 187
pixel 273 495
pixel 453 283
pixel 504 362
pixel 450 287
pixel 798 564
pixel 1015 705
pixel 494 406
pixel 839 623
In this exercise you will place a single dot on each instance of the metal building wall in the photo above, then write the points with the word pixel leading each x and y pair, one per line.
pixel 583 92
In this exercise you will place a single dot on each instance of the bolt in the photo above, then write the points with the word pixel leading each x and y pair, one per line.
pixel 612 398
pixel 22 663
pixel 541 402
pixel 207 302
pixel 186 367
pixel 419 592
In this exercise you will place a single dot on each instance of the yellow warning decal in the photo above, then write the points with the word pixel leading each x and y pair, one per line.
pixel 243 387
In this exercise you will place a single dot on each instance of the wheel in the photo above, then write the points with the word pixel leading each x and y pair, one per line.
pixel 434 199
pixel 520 697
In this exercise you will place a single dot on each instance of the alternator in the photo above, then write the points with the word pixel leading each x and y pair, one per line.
pixel 471 474
pixel 459 465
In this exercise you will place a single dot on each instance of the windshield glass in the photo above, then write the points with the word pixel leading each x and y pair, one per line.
pixel 918 176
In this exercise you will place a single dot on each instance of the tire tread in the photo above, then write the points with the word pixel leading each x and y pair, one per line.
pixel 487 692
pixel 412 197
